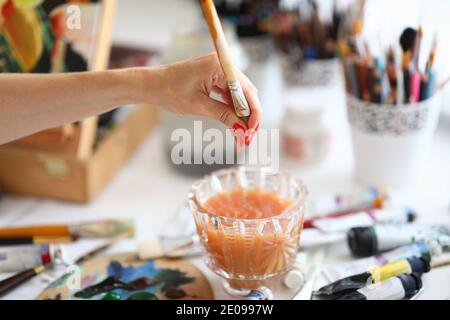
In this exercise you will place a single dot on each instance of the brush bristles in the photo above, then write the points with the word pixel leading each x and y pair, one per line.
pixel 103 229
pixel 240 103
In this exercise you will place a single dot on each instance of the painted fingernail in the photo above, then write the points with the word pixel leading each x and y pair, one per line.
pixel 251 135
pixel 239 136
pixel 237 126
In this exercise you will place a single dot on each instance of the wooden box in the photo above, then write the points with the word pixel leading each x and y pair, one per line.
pixel 62 176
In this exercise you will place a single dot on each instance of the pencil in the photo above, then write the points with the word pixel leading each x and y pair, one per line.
pixel 392 76
pixel 363 77
pixel 431 83
pixel 353 78
pixel 415 87
pixel 424 87
pixel 430 61
pixel 406 75
pixel 417 43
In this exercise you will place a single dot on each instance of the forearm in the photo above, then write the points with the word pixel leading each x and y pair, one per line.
pixel 31 103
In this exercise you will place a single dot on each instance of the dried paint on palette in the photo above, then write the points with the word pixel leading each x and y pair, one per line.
pixel 144 282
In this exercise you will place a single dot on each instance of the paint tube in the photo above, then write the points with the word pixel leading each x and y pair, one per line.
pixel 418 249
pixel 16 259
pixel 379 274
pixel 262 293
pixel 364 218
pixel 331 204
pixel 397 288
pixel 294 279
pixel 367 241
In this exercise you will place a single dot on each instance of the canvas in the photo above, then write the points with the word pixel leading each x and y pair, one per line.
pixel 48 36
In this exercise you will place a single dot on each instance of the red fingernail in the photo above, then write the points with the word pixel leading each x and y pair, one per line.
pixel 239 135
pixel 251 135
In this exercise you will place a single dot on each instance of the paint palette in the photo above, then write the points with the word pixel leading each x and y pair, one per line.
pixel 123 277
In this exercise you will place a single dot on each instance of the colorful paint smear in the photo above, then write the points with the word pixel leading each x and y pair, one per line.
pixel 35 36
pixel 137 283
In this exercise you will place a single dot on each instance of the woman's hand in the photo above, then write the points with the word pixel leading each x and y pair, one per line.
pixel 184 88
pixel 31 102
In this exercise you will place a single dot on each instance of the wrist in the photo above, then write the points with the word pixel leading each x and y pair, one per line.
pixel 145 85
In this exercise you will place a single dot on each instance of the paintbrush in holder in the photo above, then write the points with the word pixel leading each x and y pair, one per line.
pixel 393 108
pixel 307 43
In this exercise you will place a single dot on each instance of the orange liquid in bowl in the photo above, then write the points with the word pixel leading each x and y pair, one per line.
pixel 252 249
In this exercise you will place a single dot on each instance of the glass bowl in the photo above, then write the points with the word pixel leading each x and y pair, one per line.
pixel 249 253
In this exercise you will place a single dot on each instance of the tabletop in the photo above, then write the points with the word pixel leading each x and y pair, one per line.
pixel 148 190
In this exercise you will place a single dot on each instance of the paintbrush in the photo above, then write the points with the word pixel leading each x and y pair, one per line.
pixel 417 43
pixel 168 248
pixel 16 280
pixel 99 229
pixel 21 241
pixel 432 56
pixel 96 251
pixel 13 282
pixel 441 261
pixel 240 103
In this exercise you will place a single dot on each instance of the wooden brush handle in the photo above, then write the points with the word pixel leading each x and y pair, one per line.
pixel 40 231
pixel 215 28
pixel 16 280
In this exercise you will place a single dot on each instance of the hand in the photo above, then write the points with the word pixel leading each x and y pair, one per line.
pixel 184 88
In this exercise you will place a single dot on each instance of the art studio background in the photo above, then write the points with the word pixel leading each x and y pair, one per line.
pixel 346 157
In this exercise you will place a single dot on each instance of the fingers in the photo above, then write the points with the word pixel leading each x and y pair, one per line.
pixel 220 84
pixel 225 113
pixel 225 94
pixel 222 113
pixel 251 93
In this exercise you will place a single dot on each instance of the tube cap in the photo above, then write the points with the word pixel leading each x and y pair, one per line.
pixel 362 241
pixel 294 279
pixel 411 215
pixel 262 293
pixel 419 265
pixel 411 283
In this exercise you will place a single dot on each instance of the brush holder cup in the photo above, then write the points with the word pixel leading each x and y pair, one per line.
pixel 310 73
pixel 249 253
pixel 390 142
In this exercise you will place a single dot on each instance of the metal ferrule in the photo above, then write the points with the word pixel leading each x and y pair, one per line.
pixel 240 103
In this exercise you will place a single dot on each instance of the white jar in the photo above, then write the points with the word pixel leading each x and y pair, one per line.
pixel 306 134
